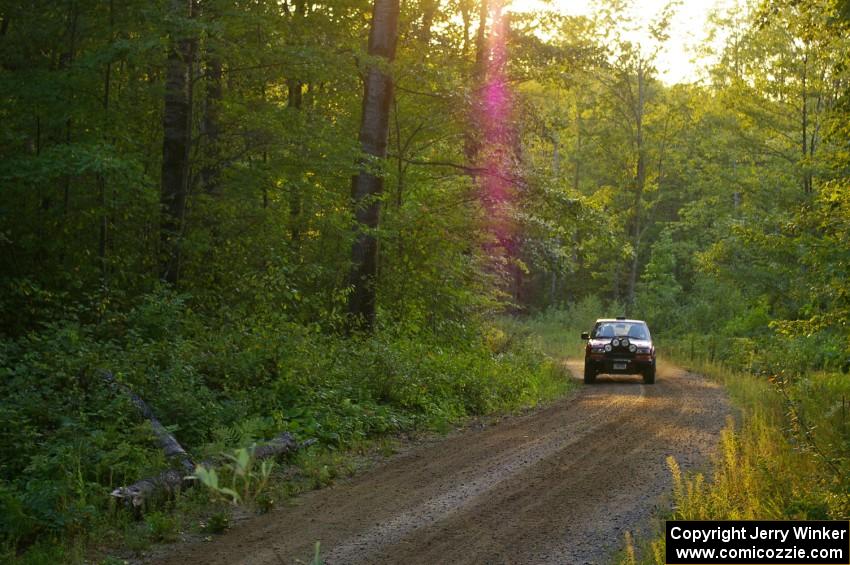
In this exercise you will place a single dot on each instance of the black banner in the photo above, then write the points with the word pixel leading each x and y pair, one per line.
pixel 758 542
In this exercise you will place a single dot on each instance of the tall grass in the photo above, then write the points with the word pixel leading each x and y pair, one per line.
pixel 786 457
pixel 557 330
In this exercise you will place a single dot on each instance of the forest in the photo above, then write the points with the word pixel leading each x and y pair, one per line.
pixel 352 220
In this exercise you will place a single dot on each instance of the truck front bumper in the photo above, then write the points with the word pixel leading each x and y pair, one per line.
pixel 619 365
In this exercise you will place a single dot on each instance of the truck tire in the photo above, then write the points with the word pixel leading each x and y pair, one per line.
pixel 649 376
pixel 589 374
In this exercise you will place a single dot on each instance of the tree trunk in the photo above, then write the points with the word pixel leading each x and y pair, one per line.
pixel 466 17
pixel 553 288
pixel 66 60
pixel 103 232
pixel 481 44
pixel 211 126
pixel 578 147
pixel 472 144
pixel 556 154
pixel 400 156
pixel 640 184
pixel 176 121
pixel 366 186
pixel 295 91
pixel 429 10
pixel 807 175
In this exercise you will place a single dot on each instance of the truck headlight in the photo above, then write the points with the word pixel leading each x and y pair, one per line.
pixel 608 347
pixel 633 348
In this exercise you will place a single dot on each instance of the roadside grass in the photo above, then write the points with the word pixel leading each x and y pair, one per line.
pixel 549 337
pixel 786 456
pixel 557 331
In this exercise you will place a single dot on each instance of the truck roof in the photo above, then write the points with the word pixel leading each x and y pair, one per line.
pixel 620 320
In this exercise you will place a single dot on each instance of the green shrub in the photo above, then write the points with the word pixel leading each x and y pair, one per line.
pixel 162 527
pixel 218 523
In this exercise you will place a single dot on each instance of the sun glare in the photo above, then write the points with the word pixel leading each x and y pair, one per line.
pixel 679 60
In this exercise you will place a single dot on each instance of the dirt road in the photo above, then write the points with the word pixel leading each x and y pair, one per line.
pixel 559 485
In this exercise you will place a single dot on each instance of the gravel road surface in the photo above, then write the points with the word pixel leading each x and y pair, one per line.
pixel 561 484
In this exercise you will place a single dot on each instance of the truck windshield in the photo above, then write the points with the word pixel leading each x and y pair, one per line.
pixel 633 330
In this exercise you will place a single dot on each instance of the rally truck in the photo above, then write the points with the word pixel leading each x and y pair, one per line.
pixel 619 346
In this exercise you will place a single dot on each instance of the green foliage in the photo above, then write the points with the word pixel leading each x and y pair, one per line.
pixel 218 523
pixel 162 527
pixel 69 439
pixel 659 294
pixel 247 479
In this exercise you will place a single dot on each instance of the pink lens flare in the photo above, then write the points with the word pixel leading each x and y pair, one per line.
pixel 497 153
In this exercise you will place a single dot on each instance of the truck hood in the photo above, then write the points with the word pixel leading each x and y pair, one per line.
pixel 601 342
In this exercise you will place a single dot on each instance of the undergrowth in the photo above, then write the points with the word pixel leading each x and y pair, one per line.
pixel 219 384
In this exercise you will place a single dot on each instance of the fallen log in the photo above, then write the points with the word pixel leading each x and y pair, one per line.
pixel 168 443
pixel 145 492
pixel 167 484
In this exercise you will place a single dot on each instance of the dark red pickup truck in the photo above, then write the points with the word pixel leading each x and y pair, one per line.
pixel 619 346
